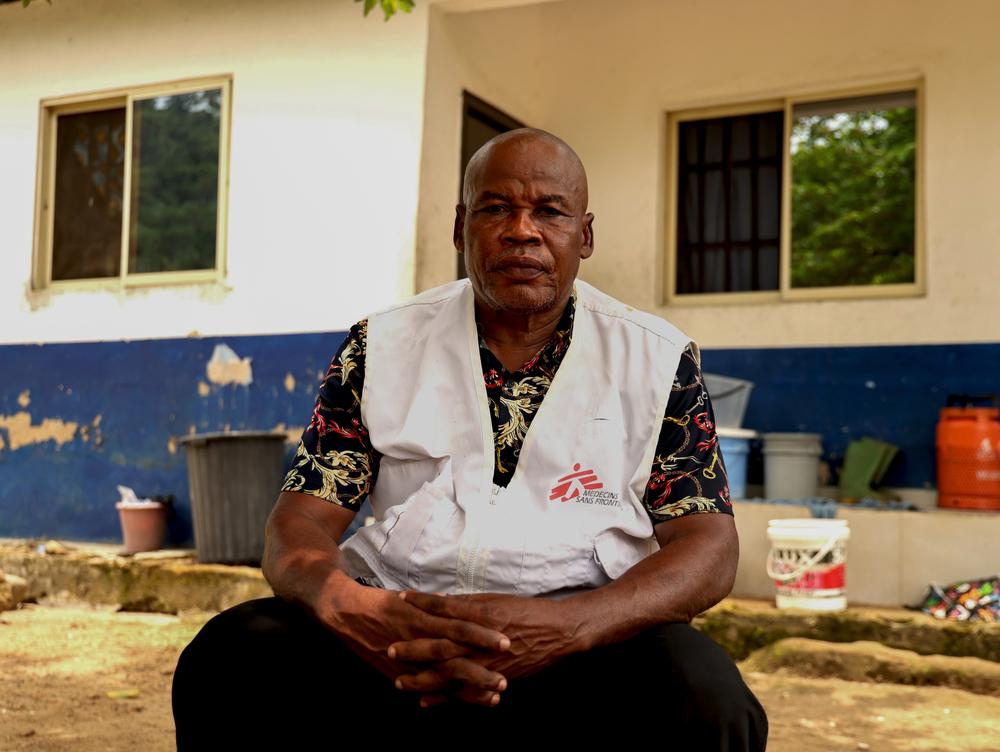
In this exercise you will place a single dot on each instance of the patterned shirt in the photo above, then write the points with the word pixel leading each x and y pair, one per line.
pixel 335 459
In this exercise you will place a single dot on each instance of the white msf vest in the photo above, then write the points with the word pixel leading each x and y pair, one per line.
pixel 572 515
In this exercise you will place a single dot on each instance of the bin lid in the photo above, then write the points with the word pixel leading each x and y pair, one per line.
pixel 725 432
pixel 197 439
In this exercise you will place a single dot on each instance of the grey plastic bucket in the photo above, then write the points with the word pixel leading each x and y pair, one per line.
pixel 234 479
pixel 791 465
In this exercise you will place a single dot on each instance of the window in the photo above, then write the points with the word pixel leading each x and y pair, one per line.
pixel 801 198
pixel 132 187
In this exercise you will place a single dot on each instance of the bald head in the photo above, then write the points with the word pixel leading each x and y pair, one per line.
pixel 559 154
pixel 523 224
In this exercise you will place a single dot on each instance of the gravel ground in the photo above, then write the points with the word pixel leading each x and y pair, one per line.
pixel 59 664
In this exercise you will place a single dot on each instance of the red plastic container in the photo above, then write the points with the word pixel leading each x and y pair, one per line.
pixel 143 527
pixel 968 458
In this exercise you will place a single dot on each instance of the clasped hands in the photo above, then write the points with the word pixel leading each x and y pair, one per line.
pixel 489 640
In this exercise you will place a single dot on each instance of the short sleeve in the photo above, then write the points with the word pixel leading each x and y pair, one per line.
pixel 335 460
pixel 688 474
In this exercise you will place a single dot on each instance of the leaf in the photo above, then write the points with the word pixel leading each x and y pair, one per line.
pixel 389 7
pixel 122 694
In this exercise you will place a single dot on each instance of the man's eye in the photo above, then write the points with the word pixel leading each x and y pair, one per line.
pixel 493 209
pixel 548 211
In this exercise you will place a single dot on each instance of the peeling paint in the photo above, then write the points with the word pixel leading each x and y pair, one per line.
pixel 203 389
pixel 226 367
pixel 289 382
pixel 24 398
pixel 292 435
pixel 92 431
pixel 21 432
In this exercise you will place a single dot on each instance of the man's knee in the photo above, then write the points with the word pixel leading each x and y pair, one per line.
pixel 221 646
pixel 709 691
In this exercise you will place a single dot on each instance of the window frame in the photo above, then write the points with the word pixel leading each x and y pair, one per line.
pixel 785 291
pixel 49 111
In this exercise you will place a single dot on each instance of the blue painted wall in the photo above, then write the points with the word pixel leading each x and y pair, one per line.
pixel 892 393
pixel 147 392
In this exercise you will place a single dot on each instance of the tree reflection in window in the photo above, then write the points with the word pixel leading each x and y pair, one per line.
pixel 175 174
pixel 853 186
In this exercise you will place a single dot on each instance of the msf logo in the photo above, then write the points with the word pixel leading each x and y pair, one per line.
pixel 570 486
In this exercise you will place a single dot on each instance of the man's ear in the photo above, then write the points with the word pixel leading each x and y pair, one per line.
pixel 587 249
pixel 458 233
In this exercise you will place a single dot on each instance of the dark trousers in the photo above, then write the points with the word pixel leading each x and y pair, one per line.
pixel 266 675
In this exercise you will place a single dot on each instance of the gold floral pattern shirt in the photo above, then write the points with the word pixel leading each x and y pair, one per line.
pixel 335 459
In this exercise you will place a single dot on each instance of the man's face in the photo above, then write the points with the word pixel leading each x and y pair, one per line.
pixel 524 229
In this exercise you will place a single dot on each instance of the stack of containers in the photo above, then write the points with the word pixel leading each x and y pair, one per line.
pixel 729 401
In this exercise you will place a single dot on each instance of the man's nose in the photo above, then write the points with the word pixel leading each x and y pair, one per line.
pixel 520 228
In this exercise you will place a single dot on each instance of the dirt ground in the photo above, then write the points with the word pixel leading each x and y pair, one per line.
pixel 58 664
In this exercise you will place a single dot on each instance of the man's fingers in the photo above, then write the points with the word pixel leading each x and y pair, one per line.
pixel 457 670
pixel 440 605
pixel 427 649
pixel 429 701
pixel 464 632
pixel 426 682
pixel 475 697
pixel 474 634
pixel 478 696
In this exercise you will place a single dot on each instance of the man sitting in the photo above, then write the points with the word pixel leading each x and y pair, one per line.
pixel 551 511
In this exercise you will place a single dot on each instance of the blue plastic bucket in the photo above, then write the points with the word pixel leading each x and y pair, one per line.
pixel 735 446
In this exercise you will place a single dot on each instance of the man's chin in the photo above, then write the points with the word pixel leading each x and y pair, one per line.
pixel 521 299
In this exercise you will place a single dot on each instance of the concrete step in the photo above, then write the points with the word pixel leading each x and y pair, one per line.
pixel 872 662
pixel 161 581
pixel 173 581
pixel 743 626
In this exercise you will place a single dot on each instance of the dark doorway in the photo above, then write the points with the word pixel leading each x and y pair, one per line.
pixel 480 123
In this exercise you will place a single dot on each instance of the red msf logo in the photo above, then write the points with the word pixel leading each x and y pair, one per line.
pixel 569 486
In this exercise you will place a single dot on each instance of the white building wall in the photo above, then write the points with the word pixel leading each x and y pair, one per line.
pixel 450 71
pixel 327 114
pixel 603 75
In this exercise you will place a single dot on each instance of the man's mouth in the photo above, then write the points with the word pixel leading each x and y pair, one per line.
pixel 521 268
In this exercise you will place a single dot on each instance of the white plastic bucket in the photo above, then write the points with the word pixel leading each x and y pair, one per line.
pixel 791 465
pixel 808 563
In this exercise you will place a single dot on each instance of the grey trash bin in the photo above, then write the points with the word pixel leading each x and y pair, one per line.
pixel 234 480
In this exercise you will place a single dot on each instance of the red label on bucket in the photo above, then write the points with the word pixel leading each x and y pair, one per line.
pixel 830 578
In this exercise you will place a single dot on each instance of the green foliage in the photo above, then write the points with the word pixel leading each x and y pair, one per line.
pixel 175 177
pixel 389 7
pixel 853 178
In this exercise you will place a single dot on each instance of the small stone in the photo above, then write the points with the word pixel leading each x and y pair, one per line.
pixel 55 547
pixel 122 694
pixel 13 590
pixel 862 745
